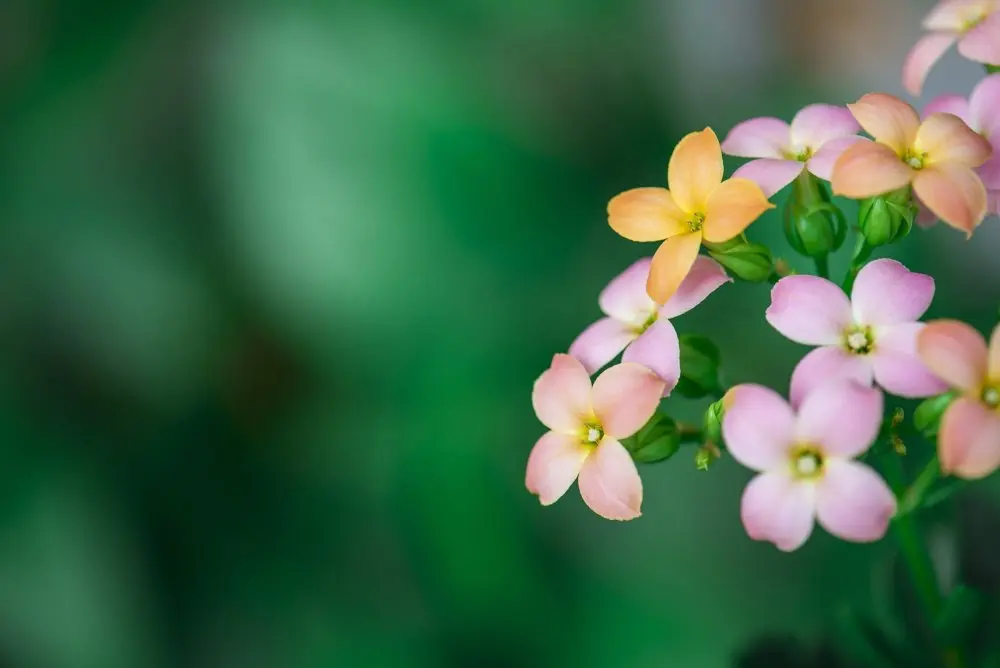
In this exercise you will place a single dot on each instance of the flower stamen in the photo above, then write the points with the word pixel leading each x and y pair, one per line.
pixel 593 434
pixel 991 396
pixel 914 159
pixel 859 341
pixel 696 222
pixel 807 462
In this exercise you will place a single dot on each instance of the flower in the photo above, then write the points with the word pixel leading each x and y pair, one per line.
pixel 806 463
pixel 872 335
pixel 637 325
pixel 587 423
pixel 969 435
pixel 815 139
pixel 981 112
pixel 974 24
pixel 937 157
pixel 698 206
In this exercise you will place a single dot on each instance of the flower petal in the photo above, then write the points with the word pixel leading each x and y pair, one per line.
pixel 922 57
pixel 945 138
pixel 993 361
pixel 706 276
pixel 955 105
pixel 553 465
pixel 610 484
pixel 955 352
pixel 982 43
pixel 809 310
pixel 695 170
pixel 757 427
pixel 951 15
pixel 817 124
pixel 770 174
pixel 625 298
pixel 954 193
pixel 671 264
pixel 842 416
pixel 625 397
pixel 866 169
pixel 888 119
pixel 984 106
pixel 764 137
pixel 778 509
pixel 989 173
pixel 646 214
pixel 885 292
pixel 823 365
pixel 658 350
pixel 853 502
pixel 898 368
pixel 969 440
pixel 601 342
pixel 821 164
pixel 732 207
pixel 561 395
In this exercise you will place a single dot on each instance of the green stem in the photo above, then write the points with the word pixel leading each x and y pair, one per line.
pixel 915 495
pixel 862 251
pixel 822 266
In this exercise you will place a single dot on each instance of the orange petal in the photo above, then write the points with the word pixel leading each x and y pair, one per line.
pixel 954 193
pixel 954 352
pixel 994 359
pixel 671 264
pixel 946 138
pixel 732 207
pixel 646 214
pixel 695 170
pixel 888 119
pixel 867 169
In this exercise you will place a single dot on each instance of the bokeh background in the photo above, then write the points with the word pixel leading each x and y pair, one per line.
pixel 276 279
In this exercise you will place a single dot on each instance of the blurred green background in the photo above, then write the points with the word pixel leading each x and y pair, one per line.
pixel 275 282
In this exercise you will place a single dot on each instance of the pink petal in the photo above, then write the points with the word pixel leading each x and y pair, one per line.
pixel 853 502
pixel 553 465
pixel 561 395
pixel 989 173
pixel 898 368
pixel 842 416
pixel 925 217
pixel 610 484
pixel 625 298
pixel 818 124
pixel 757 427
pixel 951 15
pixel 809 310
pixel 601 342
pixel 866 169
pixel 826 364
pixel 922 57
pixel 946 138
pixel 758 138
pixel 949 104
pixel 993 361
pixel 821 164
pixel 706 276
pixel 659 350
pixel 969 440
pixel 625 397
pixel 769 173
pixel 778 509
pixel 955 352
pixel 984 106
pixel 888 119
pixel 954 193
pixel 982 43
pixel 885 292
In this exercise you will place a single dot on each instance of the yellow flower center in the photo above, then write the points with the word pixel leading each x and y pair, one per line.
pixel 799 155
pixel 807 462
pixel 859 340
pixel 973 20
pixel 648 323
pixel 696 222
pixel 593 433
pixel 914 159
pixel 991 396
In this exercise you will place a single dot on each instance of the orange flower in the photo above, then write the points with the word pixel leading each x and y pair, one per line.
pixel 937 157
pixel 699 206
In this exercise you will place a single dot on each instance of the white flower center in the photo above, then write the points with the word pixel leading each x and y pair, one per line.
pixel 859 340
pixel 807 462
pixel 592 434
pixel 991 396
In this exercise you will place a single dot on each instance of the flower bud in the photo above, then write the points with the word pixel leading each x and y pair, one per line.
pixel 658 440
pixel 745 260
pixel 887 218
pixel 706 455
pixel 992 69
pixel 813 225
pixel 927 416
pixel 712 422
pixel 699 367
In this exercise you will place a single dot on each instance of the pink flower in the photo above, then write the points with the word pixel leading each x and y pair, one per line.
pixel 974 24
pixel 806 463
pixel 872 335
pixel 969 436
pixel 638 326
pixel 981 112
pixel 817 136
pixel 587 423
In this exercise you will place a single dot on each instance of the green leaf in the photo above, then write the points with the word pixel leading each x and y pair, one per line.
pixel 699 367
pixel 959 617
pixel 873 645
pixel 658 440
pixel 927 416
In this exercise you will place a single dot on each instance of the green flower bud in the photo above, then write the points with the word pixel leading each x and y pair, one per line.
pixel 813 225
pixel 706 455
pixel 992 69
pixel 887 218
pixel 927 416
pixel 745 260
pixel 699 367
pixel 712 422
pixel 658 440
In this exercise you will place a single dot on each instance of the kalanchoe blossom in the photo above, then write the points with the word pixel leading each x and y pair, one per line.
pixel 815 139
pixel 981 112
pixel 969 435
pixel 636 324
pixel 937 157
pixel 871 336
pixel 699 206
pixel 806 463
pixel 974 24
pixel 588 423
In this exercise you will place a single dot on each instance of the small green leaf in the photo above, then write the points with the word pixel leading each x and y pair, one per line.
pixel 658 440
pixel 992 69
pixel 699 367
pixel 927 416
pixel 959 617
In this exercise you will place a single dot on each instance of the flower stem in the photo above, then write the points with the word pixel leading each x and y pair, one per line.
pixel 822 266
pixel 862 251
pixel 917 492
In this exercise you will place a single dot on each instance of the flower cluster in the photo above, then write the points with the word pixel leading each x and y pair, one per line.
pixel 820 456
